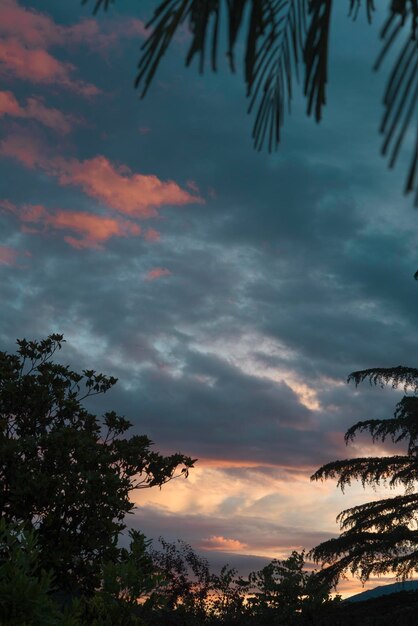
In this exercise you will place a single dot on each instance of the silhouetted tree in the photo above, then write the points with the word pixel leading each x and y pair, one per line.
pixel 286 593
pixel 380 536
pixel 64 472
pixel 283 593
pixel 282 35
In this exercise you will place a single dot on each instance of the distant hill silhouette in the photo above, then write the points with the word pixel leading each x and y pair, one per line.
pixel 386 605
pixel 384 590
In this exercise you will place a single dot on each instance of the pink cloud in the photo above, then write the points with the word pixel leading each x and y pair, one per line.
pixel 191 184
pixel 217 542
pixel 37 30
pixel 152 235
pixel 136 195
pixel 27 35
pixel 100 39
pixel 25 149
pixel 7 255
pixel 119 188
pixel 39 66
pixel 157 272
pixel 35 109
pixel 91 230
pixel 94 229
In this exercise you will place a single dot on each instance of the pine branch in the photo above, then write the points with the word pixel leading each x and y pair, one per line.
pixel 380 515
pixel 391 470
pixel 404 426
pixel 368 553
pixel 407 376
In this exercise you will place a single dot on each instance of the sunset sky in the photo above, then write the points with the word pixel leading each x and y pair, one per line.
pixel 230 291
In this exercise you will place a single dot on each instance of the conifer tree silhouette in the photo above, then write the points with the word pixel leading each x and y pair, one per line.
pixel 379 536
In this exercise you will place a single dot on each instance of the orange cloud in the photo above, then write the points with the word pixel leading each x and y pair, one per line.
pixel 92 230
pixel 39 66
pixel 217 542
pixel 24 149
pixel 136 195
pixel 157 272
pixel 35 109
pixel 7 255
pixel 27 36
pixel 152 235
pixel 191 184
pixel 37 30
pixel 119 188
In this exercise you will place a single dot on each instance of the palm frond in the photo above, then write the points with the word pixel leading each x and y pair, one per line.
pixel 316 56
pixel 236 9
pixel 401 93
pixel 274 49
pixel 355 6
pixel 203 18
pixel 99 4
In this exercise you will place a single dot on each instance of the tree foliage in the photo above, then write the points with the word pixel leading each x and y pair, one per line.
pixel 282 40
pixel 380 536
pixel 25 588
pixel 283 592
pixel 63 471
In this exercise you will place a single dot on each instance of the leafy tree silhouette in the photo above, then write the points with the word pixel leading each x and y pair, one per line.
pixel 283 35
pixel 63 472
pixel 381 536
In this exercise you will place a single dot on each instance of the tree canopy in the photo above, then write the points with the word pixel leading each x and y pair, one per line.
pixel 64 472
pixel 287 42
pixel 379 536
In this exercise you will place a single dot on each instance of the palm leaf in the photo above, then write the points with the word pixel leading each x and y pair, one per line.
pixel 202 16
pixel 401 93
pixel 355 8
pixel 99 4
pixel 274 48
pixel 316 56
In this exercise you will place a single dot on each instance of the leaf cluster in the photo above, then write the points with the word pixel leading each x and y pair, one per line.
pixel 64 471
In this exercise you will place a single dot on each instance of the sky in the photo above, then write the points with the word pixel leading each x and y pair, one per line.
pixel 230 291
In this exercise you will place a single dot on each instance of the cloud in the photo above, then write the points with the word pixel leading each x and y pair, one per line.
pixel 35 109
pixel 117 187
pixel 157 272
pixel 27 35
pixel 8 255
pixel 92 230
pixel 25 149
pixel 217 542
pixel 39 66
pixel 152 235
pixel 35 29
